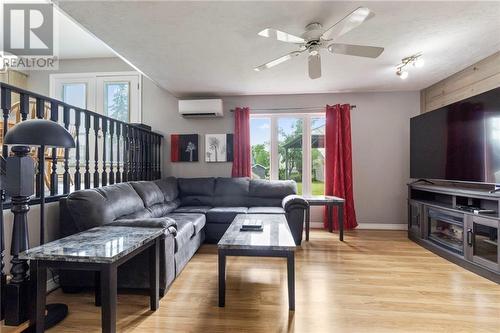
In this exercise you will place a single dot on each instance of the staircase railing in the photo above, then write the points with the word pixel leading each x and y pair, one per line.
pixel 107 150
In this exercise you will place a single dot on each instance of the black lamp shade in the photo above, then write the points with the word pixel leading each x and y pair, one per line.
pixel 39 132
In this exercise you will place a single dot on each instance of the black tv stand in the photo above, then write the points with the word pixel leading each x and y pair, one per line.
pixel 422 180
pixel 459 222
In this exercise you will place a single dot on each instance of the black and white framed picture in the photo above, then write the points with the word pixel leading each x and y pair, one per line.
pixel 218 147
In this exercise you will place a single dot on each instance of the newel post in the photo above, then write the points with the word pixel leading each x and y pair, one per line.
pixel 20 174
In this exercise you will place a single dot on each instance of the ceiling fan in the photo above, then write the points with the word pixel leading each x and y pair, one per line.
pixel 316 38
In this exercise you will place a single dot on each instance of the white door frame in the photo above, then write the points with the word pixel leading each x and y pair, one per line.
pixel 95 85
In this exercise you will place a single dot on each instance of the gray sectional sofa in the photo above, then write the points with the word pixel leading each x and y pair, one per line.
pixel 191 210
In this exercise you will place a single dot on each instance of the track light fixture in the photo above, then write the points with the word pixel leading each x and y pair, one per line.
pixel 416 60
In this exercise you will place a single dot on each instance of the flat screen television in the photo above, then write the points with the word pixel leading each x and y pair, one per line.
pixel 459 142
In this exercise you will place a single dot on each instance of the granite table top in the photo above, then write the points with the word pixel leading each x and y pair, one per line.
pixel 97 245
pixel 322 199
pixel 275 235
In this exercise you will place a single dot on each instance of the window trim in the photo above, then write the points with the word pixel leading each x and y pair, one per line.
pixel 93 81
pixel 306 142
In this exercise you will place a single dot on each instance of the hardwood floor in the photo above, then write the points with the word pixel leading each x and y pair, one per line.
pixel 376 281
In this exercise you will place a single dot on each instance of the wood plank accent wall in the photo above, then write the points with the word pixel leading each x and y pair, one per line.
pixel 473 80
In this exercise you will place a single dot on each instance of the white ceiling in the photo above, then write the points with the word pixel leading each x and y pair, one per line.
pixel 76 43
pixel 209 48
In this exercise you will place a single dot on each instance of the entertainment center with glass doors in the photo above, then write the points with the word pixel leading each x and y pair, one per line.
pixel 457 222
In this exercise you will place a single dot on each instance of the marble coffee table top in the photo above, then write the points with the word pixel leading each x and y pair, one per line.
pixel 275 235
pixel 97 245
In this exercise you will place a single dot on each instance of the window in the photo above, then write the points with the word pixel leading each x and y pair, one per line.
pixel 116 95
pixel 116 100
pixel 290 149
pixel 318 155
pixel 75 94
pixel 289 146
pixel 260 140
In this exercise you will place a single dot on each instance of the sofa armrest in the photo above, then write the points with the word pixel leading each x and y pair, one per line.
pixel 294 201
pixel 166 223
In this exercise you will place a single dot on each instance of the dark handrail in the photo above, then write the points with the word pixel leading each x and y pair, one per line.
pixel 64 104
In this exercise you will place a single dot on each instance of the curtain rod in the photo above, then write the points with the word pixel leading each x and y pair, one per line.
pixel 294 109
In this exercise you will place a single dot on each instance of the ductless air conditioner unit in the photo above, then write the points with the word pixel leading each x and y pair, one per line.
pixel 200 108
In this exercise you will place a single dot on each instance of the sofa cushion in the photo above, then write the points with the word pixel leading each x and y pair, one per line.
pixel 224 214
pixel 149 192
pixel 272 189
pixel 169 188
pixel 198 220
pixel 232 186
pixel 94 207
pixel 265 210
pixel 140 214
pixel 162 222
pixel 197 200
pixel 193 209
pixel 185 230
pixel 196 186
pixel 263 202
pixel 163 208
pixel 231 201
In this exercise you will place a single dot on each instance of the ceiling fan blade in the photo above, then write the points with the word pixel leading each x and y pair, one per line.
pixel 281 36
pixel 356 50
pixel 277 61
pixel 314 62
pixel 351 21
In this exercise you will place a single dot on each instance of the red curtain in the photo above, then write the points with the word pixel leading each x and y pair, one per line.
pixel 338 162
pixel 174 147
pixel 241 163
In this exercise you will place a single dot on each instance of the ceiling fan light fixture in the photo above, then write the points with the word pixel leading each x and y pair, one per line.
pixel 314 51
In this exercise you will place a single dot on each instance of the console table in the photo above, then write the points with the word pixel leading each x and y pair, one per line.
pixel 329 202
pixel 101 250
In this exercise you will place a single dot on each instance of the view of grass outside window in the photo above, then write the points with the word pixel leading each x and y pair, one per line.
pixel 289 157
pixel 318 156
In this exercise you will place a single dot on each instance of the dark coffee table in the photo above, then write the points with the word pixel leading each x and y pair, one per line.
pixel 102 250
pixel 329 202
pixel 275 240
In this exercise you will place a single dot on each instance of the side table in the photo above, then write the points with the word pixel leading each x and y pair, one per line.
pixel 329 202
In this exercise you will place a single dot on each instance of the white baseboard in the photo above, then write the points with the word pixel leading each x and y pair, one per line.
pixel 372 226
pixel 383 226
